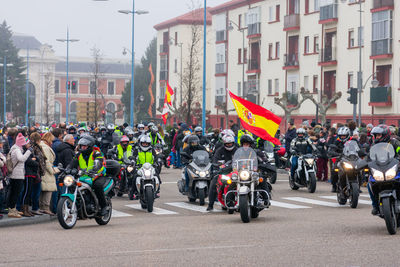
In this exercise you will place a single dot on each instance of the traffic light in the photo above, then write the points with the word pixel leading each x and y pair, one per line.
pixel 353 95
pixel 103 113
pixel 73 86
pixel 69 85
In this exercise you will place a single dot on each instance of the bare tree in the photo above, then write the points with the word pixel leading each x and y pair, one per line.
pixel 48 103
pixel 96 76
pixel 289 104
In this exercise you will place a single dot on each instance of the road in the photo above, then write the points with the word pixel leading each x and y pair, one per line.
pixel 300 229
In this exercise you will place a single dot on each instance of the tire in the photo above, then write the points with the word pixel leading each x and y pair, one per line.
pixel 254 212
pixel 191 200
pixel 312 183
pixel 202 196
pixel 143 205
pixel 149 196
pixel 63 206
pixel 292 185
pixel 273 178
pixel 355 193
pixel 244 208
pixel 341 200
pixel 389 215
pixel 106 218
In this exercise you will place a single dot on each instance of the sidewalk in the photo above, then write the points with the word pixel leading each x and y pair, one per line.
pixel 7 222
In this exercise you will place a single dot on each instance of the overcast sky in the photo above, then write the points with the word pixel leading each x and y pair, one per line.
pixel 94 23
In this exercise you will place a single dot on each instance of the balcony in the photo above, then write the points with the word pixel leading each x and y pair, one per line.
pixel 327 57
pixel 164 48
pixel 221 36
pixel 253 66
pixel 291 22
pixel 328 14
pixel 381 97
pixel 253 29
pixel 252 87
pixel 379 5
pixel 161 102
pixel 220 100
pixel 163 75
pixel 381 49
pixel 293 98
pixel 291 61
pixel 220 68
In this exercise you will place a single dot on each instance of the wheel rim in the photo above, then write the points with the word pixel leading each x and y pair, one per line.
pixel 69 218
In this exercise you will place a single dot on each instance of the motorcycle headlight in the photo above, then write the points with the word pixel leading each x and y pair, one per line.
pixel 244 175
pixel 147 173
pixel 68 180
pixel 234 176
pixel 255 175
pixel 310 161
pixel 391 173
pixel 270 155
pixel 129 169
pixel 347 166
pixel 378 175
pixel 202 174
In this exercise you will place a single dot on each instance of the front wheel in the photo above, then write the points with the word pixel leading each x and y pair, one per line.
pixel 273 178
pixel 389 215
pixel 106 218
pixel 312 183
pixel 244 208
pixel 292 185
pixel 66 217
pixel 149 195
pixel 202 196
pixel 354 194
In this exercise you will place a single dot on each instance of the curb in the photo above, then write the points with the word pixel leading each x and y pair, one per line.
pixel 6 222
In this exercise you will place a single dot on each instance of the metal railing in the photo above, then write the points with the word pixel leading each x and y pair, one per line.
pixel 253 64
pixel 293 98
pixel 383 3
pixel 220 99
pixel 252 87
pixel 254 28
pixel 328 12
pixel 291 59
pixel 381 47
pixel 381 95
pixel 327 54
pixel 221 36
pixel 220 68
pixel 291 21
pixel 164 48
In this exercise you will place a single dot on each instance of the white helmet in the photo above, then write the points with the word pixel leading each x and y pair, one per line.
pixel 229 142
pixel 145 143
pixel 228 132
pixel 198 129
pixel 140 127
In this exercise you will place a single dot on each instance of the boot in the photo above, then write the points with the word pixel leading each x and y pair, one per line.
pixel 26 211
pixel 36 212
pixel 13 213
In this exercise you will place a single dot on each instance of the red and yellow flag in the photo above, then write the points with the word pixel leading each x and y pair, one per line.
pixel 256 119
pixel 150 110
pixel 167 102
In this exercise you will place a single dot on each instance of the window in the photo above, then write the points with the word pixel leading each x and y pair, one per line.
pixel 278 12
pixel 57 111
pixel 245 55
pixel 176 38
pixel 240 56
pixel 382 121
pixel 92 87
pixel 277 50
pixel 351 38
pixel 110 109
pixel 350 80
pixel 72 111
pixel 272 14
pixel 306 45
pixel 306 83
pixel 381 25
pixel 270 51
pixel 316 44
pixel 176 66
pixel 220 49
pixel 316 5
pixel 360 40
pixel 277 86
pixel 110 88
pixel 307 7
pixel 315 84
pixel 269 87
pixel 240 21
pixel 56 86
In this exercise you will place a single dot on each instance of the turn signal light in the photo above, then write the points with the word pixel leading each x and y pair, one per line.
pixel 79 184
pixel 61 184
pixel 336 170
pixel 229 181
pixel 366 170
pixel 260 179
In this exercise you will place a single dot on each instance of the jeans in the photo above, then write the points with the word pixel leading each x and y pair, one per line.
pixel 21 196
pixel 293 167
pixel 55 197
pixel 2 198
pixel 36 189
pixel 178 158
pixel 186 180
pixel 372 196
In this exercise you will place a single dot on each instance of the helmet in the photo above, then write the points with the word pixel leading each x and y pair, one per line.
pixel 154 129
pixel 145 143
pixel 71 129
pixel 88 141
pixel 110 127
pixel 81 129
pixel 103 128
pixel 150 124
pixel 124 139
pixel 301 132
pixel 343 134
pixel 140 127
pixel 193 141
pixel 229 142
pixel 383 130
pixel 228 131
pixel 246 139
pixel 198 129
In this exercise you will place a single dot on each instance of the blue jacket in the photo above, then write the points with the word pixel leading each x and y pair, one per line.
pixel 56 143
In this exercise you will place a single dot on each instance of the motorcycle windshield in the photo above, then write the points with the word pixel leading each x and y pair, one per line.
pixel 268 147
pixel 201 158
pixel 351 148
pixel 382 153
pixel 245 159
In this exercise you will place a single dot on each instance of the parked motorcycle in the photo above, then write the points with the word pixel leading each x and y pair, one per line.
pixel 385 182
pixel 79 200
pixel 147 185
pixel 304 175
pixel 349 171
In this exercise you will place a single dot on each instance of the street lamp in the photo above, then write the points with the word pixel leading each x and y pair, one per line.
pixel 204 66
pixel 171 42
pixel 68 40
pixel 5 65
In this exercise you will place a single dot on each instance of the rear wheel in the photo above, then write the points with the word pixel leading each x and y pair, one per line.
pixel 273 178
pixel 293 186
pixel 389 215
pixel 202 196
pixel 312 183
pixel 354 194
pixel 106 218
pixel 244 208
pixel 149 195
pixel 66 217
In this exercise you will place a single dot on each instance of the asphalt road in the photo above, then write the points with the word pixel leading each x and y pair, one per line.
pixel 299 229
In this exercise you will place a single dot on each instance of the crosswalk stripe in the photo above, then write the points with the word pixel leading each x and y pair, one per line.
pixel 313 201
pixel 183 205
pixel 156 211
pixel 360 201
pixel 287 205
pixel 364 195
pixel 118 214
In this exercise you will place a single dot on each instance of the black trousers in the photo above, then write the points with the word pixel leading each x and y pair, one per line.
pixel 212 194
pixel 98 188
pixel 26 197
pixel 14 191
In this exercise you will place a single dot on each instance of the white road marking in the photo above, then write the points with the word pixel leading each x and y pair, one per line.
pixel 168 183
pixel 287 205
pixel 118 214
pixel 313 201
pixel 183 205
pixel 364 195
pixel 156 211
pixel 360 201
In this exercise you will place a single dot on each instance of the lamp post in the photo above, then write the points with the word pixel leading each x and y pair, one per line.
pixel 181 83
pixel 230 28
pixel 5 65
pixel 204 67
pixel 68 40
pixel 27 89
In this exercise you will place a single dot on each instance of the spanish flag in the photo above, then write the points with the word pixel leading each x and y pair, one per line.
pixel 167 102
pixel 256 119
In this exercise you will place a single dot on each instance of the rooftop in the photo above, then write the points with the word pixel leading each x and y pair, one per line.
pixel 232 5
pixel 87 67
pixel 193 17
pixel 22 41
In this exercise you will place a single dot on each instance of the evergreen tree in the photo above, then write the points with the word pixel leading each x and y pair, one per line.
pixel 15 79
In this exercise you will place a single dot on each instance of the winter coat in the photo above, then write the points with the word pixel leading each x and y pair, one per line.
pixel 289 136
pixel 18 159
pixel 32 166
pixel 65 153
pixel 54 146
pixel 48 179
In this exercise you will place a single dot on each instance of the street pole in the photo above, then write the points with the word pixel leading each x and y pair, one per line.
pixel 5 89
pixel 181 74
pixel 204 67
pixel 359 74
pixel 27 89
pixel 133 65
pixel 242 65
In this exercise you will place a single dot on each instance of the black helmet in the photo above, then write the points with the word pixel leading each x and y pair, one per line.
pixel 383 130
pixel 193 141
pixel 71 129
pixel 88 141
pixel 246 139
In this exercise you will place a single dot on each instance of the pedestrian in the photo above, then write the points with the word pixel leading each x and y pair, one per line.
pixel 234 127
pixel 289 136
pixel 2 176
pixel 58 135
pixel 48 179
pixel 322 161
pixel 19 153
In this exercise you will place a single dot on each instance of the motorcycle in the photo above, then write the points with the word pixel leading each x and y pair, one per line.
pixel 199 177
pixel 385 181
pixel 79 200
pixel 246 196
pixel 269 153
pixel 304 175
pixel 147 185
pixel 160 156
pixel 349 172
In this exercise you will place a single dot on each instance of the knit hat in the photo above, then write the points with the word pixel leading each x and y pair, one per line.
pixel 20 141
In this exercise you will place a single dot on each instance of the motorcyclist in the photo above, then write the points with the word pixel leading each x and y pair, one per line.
pixel 81 132
pixel 299 146
pixel 224 153
pixel 90 158
pixel 381 134
pixel 193 145
pixel 203 139
pixel 141 130
pixel 72 130
pixel 155 136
